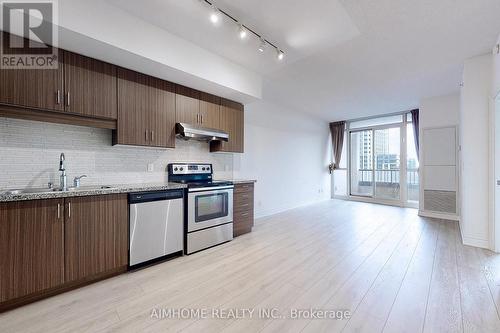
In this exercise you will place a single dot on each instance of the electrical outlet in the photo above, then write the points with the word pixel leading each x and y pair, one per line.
pixel 151 167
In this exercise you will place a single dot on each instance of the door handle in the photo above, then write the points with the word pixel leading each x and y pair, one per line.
pixel 67 99
pixel 197 118
pixel 58 96
pixel 146 135
pixel 58 211
pixel 69 209
pixel 152 135
pixel 201 117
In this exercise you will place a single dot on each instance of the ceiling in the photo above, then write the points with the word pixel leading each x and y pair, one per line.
pixel 344 58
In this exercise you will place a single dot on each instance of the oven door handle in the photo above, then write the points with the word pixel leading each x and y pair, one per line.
pixel 206 189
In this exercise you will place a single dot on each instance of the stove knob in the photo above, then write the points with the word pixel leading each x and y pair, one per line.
pixel 181 168
pixel 203 169
pixel 175 169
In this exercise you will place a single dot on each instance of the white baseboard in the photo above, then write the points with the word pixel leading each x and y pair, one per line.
pixel 476 242
pixel 442 216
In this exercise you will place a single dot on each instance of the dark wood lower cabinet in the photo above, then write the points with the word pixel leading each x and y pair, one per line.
pixel 50 246
pixel 95 235
pixel 243 209
pixel 31 247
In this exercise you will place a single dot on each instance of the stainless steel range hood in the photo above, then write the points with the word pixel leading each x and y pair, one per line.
pixel 188 132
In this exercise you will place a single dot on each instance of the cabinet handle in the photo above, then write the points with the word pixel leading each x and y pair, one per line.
pixel 146 135
pixel 58 96
pixel 69 209
pixel 201 117
pixel 67 98
pixel 152 135
pixel 197 118
pixel 58 211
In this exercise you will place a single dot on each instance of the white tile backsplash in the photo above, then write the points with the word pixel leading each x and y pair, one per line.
pixel 29 156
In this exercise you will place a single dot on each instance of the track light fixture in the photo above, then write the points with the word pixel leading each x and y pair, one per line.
pixel 262 45
pixel 214 15
pixel 280 55
pixel 243 31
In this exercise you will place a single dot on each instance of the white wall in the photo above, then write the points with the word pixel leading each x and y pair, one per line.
pixel 435 112
pixel 288 153
pixel 475 148
pixel 496 68
pixel 440 111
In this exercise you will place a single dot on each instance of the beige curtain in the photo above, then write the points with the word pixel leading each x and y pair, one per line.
pixel 337 131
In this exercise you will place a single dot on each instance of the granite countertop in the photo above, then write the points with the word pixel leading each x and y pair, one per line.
pixel 238 181
pixel 89 190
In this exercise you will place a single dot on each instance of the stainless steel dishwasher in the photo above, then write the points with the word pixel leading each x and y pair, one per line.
pixel 156 225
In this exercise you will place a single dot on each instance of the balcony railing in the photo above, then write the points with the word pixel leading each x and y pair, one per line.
pixel 385 176
pixel 388 183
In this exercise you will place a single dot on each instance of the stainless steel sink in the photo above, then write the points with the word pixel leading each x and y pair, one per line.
pixel 46 190
pixel 27 190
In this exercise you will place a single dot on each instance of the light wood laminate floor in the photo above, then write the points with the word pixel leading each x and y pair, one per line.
pixel 394 271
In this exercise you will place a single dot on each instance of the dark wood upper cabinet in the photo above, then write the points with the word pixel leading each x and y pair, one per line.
pixel 197 108
pixel 89 86
pixel 132 127
pixel 96 235
pixel 33 88
pixel 146 110
pixel 31 247
pixel 232 122
pixel 209 110
pixel 187 105
pixel 161 113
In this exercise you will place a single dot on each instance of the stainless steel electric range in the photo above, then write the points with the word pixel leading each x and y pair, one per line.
pixel 208 206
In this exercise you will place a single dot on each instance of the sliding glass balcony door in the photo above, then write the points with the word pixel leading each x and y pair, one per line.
pixel 361 163
pixel 375 163
pixel 387 156
pixel 382 160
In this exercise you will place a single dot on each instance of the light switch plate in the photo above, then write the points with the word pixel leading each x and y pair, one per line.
pixel 151 167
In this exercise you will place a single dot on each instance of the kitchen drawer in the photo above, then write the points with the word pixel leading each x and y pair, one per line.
pixel 243 222
pixel 243 215
pixel 243 202
pixel 243 188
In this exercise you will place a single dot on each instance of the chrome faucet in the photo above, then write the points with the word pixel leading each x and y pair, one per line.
pixel 63 181
pixel 76 180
